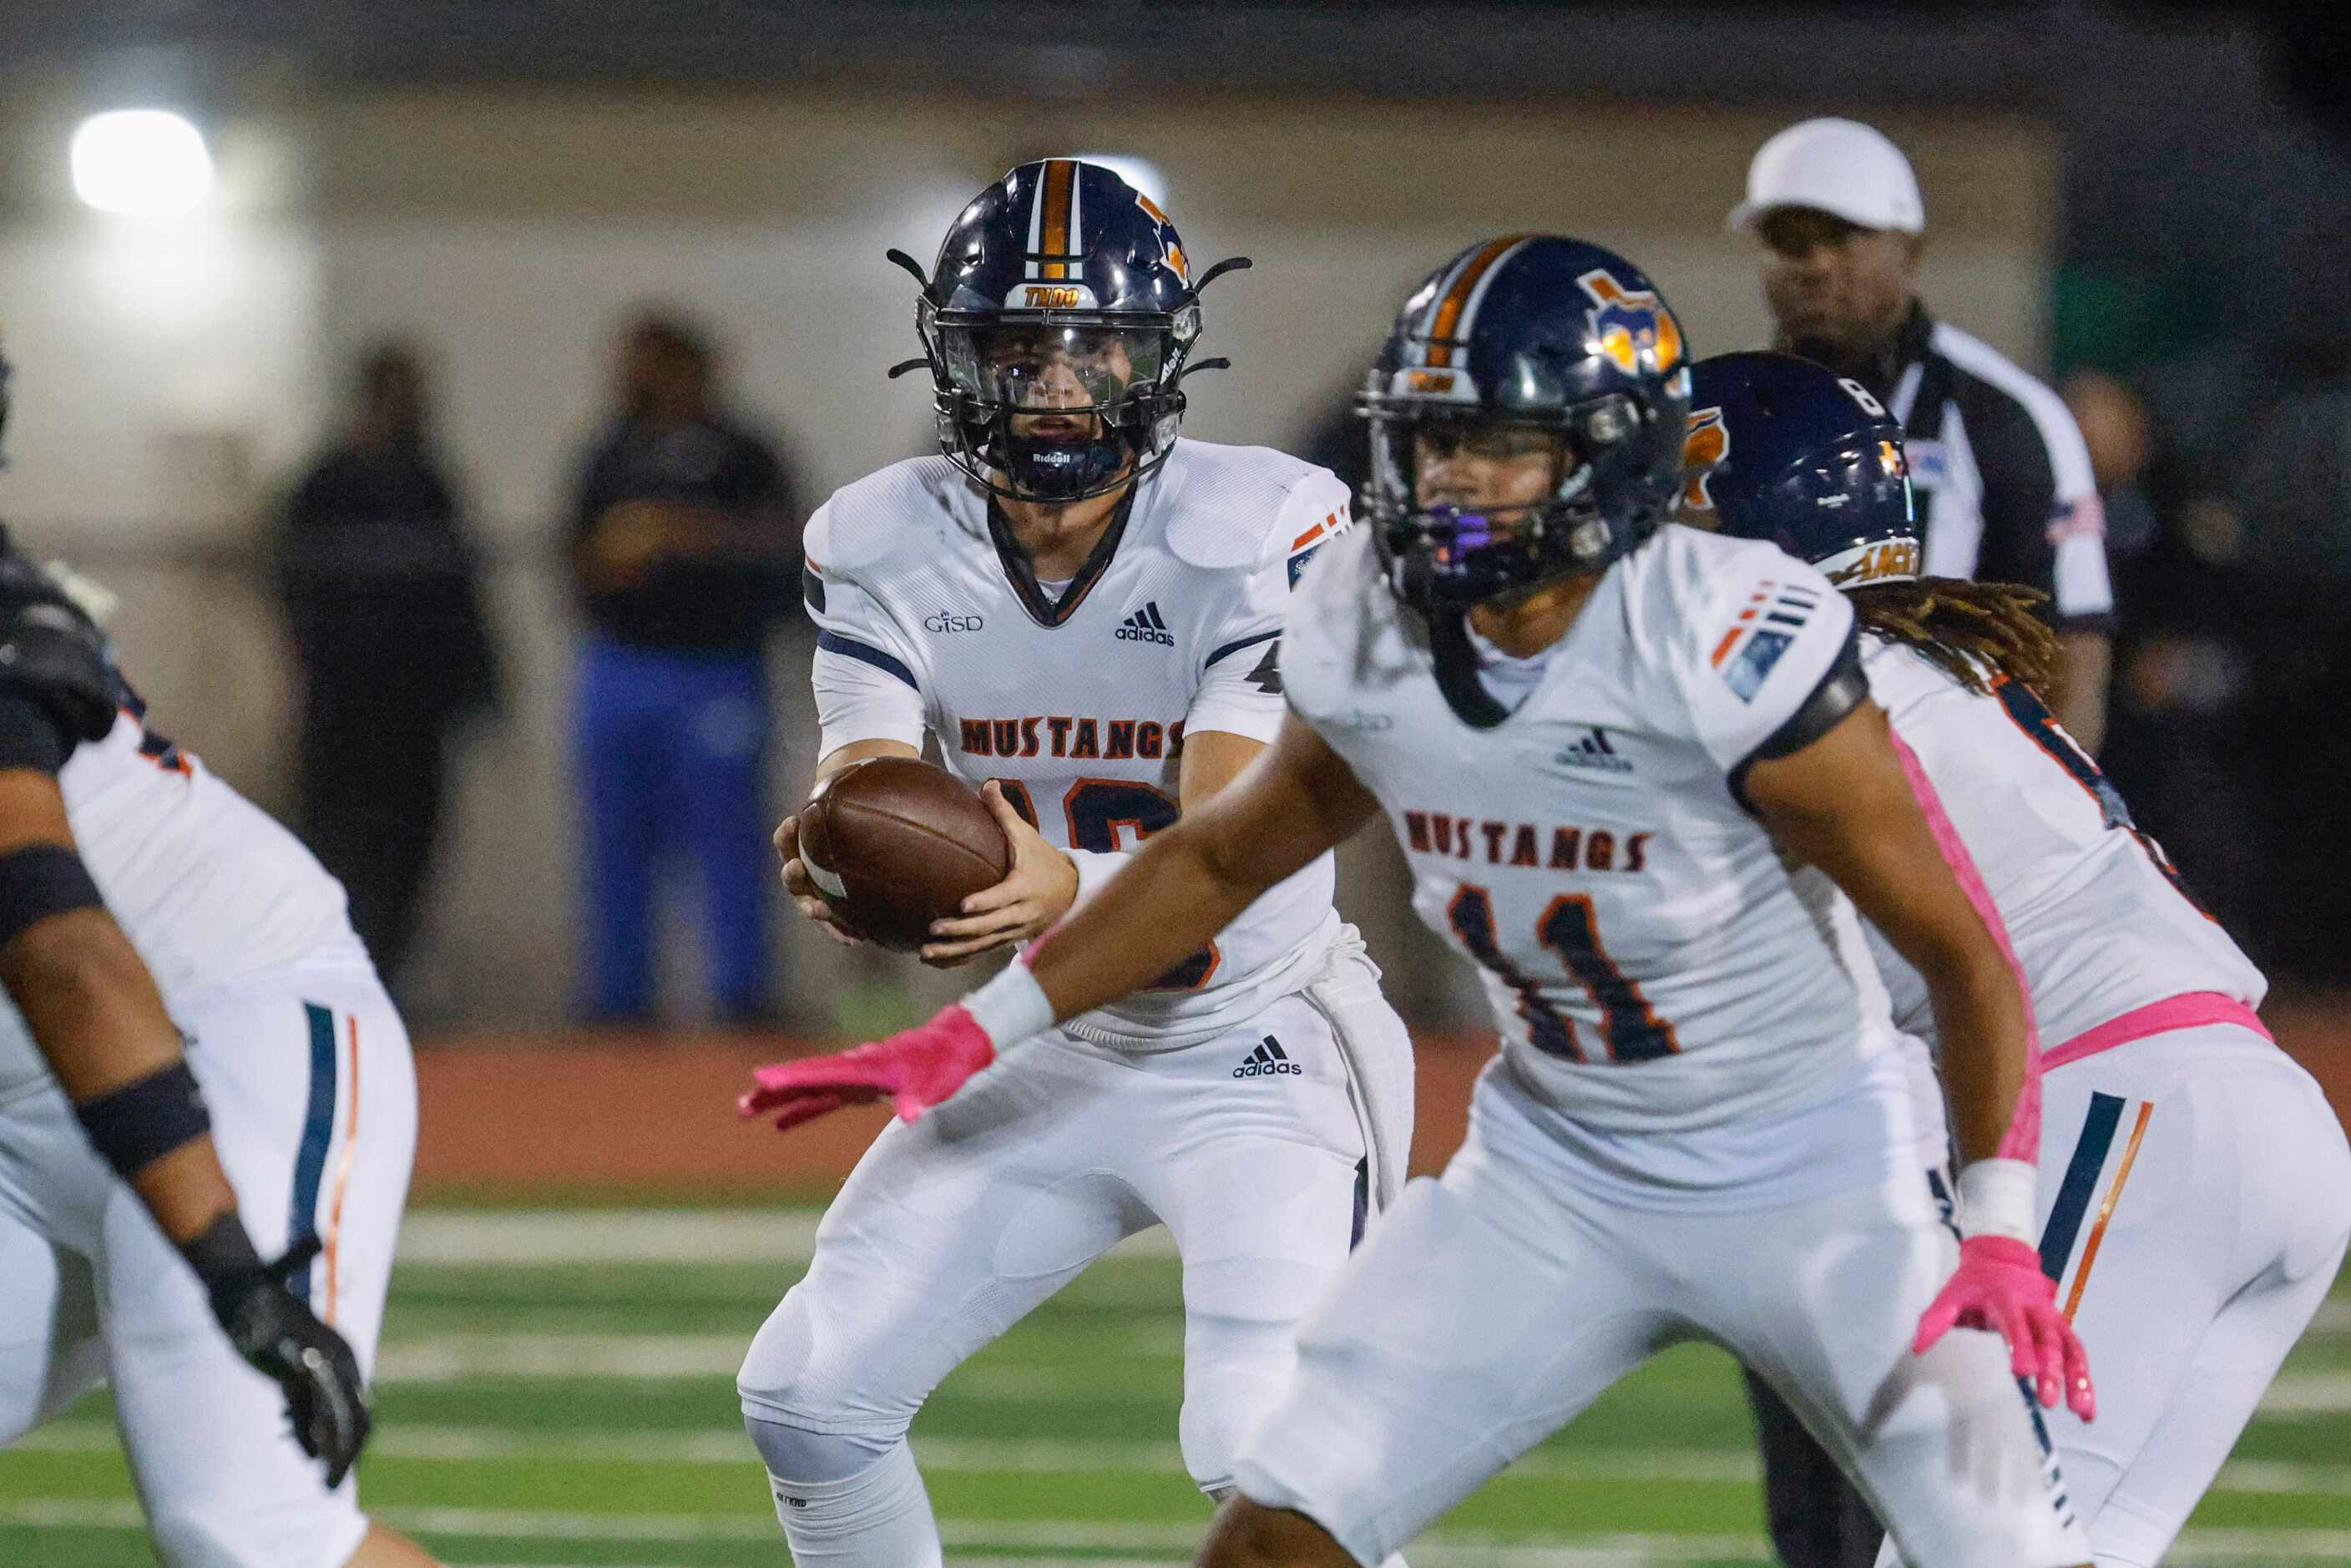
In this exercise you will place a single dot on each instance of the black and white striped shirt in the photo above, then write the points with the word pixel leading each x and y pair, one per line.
pixel 2003 483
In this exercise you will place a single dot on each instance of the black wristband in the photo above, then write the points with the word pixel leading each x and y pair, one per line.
pixel 40 881
pixel 139 1122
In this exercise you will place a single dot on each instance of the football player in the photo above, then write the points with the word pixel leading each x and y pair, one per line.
pixel 2195 1193
pixel 1639 780
pixel 121 1154
pixel 1082 611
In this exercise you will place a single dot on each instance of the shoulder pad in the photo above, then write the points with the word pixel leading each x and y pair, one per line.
pixel 1226 504
pixel 1680 573
pixel 51 654
pixel 864 522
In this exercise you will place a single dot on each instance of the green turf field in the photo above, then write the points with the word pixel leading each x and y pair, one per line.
pixel 557 1388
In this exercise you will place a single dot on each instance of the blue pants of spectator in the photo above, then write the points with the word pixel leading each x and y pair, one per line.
pixel 672 753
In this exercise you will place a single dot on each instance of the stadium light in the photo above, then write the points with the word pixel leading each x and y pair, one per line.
pixel 1143 176
pixel 141 161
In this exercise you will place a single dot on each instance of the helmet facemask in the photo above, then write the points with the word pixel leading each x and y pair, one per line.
pixel 1057 406
pixel 1469 504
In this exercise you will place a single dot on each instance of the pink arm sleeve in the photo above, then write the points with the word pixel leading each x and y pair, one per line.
pixel 2022 1139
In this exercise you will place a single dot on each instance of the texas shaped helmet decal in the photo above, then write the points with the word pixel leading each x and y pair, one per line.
pixel 1167 236
pixel 1631 326
pixel 1703 449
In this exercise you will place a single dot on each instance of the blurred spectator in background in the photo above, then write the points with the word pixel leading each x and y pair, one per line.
pixel 381 593
pixel 2178 745
pixel 685 550
pixel 2237 684
pixel 2004 486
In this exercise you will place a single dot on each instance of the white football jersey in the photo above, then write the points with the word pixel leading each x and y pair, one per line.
pixel 204 884
pixel 1651 963
pixel 927 623
pixel 2098 917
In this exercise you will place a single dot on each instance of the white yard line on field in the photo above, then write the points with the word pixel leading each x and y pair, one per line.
pixel 1045 1456
pixel 999 1537
pixel 2308 1393
pixel 546 1237
pixel 467 1357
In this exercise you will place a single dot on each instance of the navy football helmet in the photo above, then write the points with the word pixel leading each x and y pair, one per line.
pixel 1782 449
pixel 1529 333
pixel 1056 325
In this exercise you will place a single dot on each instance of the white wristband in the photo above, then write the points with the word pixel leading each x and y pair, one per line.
pixel 1095 867
pixel 1996 1198
pixel 1011 1007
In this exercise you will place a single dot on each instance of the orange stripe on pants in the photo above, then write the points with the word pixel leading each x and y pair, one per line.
pixel 343 1166
pixel 2106 1210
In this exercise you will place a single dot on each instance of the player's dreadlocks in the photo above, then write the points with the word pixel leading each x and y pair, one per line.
pixel 1963 627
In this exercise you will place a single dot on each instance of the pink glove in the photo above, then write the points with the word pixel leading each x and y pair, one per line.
pixel 916 1068
pixel 1998 1286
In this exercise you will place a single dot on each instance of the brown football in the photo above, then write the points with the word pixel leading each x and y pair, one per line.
pixel 893 844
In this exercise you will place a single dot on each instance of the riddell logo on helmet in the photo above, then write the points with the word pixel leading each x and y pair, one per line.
pixel 1430 382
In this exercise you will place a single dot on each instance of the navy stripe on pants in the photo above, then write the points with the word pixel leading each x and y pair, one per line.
pixel 2081 1182
pixel 317 1133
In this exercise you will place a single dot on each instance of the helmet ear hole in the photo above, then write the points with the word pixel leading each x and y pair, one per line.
pixel 1607 421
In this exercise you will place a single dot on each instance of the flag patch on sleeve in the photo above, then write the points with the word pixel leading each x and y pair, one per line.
pixel 1765 625
pixel 1303 548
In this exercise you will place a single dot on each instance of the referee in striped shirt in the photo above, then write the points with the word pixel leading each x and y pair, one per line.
pixel 2005 488
pixel 2004 493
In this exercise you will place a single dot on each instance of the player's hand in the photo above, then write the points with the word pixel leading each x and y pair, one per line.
pixel 802 888
pixel 1998 1286
pixel 916 1068
pixel 1036 891
pixel 276 1330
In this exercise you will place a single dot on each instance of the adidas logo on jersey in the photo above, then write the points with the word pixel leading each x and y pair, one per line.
pixel 1146 626
pixel 1594 751
pixel 1266 1060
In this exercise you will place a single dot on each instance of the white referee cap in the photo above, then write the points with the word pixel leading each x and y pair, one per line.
pixel 1839 166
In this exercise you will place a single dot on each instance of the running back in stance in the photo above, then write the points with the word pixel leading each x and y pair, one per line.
pixel 1641 784
pixel 2195 1193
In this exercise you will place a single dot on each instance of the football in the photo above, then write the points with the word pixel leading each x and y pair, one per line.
pixel 894 843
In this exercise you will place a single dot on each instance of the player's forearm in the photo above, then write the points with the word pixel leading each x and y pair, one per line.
pixel 89 1002
pixel 1979 1014
pixel 93 1010
pixel 1168 901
